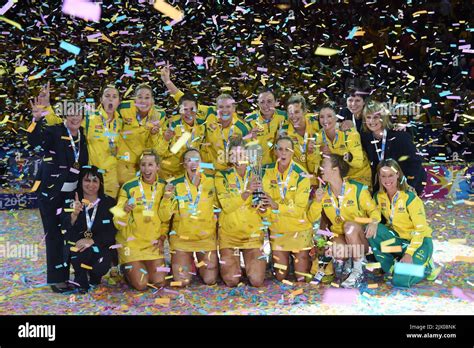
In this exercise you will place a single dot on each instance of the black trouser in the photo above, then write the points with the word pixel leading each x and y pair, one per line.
pixel 99 261
pixel 56 261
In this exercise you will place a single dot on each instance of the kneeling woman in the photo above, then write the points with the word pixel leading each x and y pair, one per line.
pixel 89 229
pixel 348 205
pixel 286 186
pixel 141 234
pixel 240 226
pixel 405 225
pixel 189 203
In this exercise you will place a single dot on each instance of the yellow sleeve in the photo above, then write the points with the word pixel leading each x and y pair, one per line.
pixel 367 204
pixel 177 96
pixel 355 148
pixel 167 208
pixel 229 200
pixel 121 222
pixel 313 161
pixel 301 200
pixel 416 210
pixel 51 117
pixel 314 211
pixel 160 145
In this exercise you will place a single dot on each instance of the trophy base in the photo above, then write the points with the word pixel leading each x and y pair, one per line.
pixel 256 198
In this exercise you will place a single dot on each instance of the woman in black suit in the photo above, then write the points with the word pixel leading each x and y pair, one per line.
pixel 90 230
pixel 380 141
pixel 65 152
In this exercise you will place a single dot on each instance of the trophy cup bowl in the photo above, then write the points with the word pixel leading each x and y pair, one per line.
pixel 255 156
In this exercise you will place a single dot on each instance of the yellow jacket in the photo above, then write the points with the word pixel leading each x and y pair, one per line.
pixel 291 214
pixel 308 161
pixel 240 226
pixel 203 112
pixel 138 229
pixel 136 135
pixel 171 164
pixel 192 229
pixel 409 219
pixel 269 132
pixel 356 203
pixel 349 141
pixel 102 142
pixel 216 138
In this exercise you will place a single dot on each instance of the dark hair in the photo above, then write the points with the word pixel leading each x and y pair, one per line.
pixel 236 142
pixel 338 161
pixel 266 90
pixel 92 171
pixel 144 86
pixel 187 97
pixel 285 138
pixel 358 92
pixel 328 104
pixel 191 149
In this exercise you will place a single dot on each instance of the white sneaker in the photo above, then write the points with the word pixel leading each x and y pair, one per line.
pixel 355 279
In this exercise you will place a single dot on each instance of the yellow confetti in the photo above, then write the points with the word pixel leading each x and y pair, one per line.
pixel 183 139
pixel 9 21
pixel 280 266
pixel 83 265
pixel 367 46
pixel 387 242
pixel 35 186
pixel 21 69
pixel 460 258
pixel 363 220
pixel 287 282
pixel 118 212
pixel 323 51
pixel 168 10
pixel 372 286
pixel 162 301
pixel 373 265
pixel 391 249
pixel 176 284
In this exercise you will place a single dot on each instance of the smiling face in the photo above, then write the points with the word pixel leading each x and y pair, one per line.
pixel 374 123
pixel 149 168
pixel 284 152
pixel 225 109
pixel 187 111
pixel 144 100
pixel 192 159
pixel 110 100
pixel 90 185
pixel 389 178
pixel 355 104
pixel 296 115
pixel 267 104
pixel 327 119
pixel 73 122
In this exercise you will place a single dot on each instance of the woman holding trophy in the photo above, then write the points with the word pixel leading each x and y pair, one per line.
pixel 240 228
pixel 286 186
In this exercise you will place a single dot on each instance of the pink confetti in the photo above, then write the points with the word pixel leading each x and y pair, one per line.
pixel 82 9
pixel 340 296
pixel 163 269
pixel 199 60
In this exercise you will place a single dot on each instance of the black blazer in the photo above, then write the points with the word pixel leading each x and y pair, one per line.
pixel 55 172
pixel 398 144
pixel 103 229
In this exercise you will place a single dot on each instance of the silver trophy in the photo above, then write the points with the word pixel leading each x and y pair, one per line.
pixel 255 156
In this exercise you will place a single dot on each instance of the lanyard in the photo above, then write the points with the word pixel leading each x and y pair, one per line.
pixel 337 206
pixel 107 133
pixel 305 143
pixel 392 212
pixel 381 153
pixel 231 132
pixel 246 179
pixel 148 204
pixel 279 182
pixel 325 140
pixel 139 118
pixel 73 145
pixel 89 219
pixel 193 205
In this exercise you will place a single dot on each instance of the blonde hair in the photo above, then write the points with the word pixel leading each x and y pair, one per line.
pixel 144 86
pixel 401 181
pixel 224 96
pixel 150 152
pixel 375 107
pixel 297 99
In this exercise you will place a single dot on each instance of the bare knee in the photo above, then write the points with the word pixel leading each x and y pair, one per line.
pixel 137 283
pixel 209 278
pixel 231 282
pixel 256 280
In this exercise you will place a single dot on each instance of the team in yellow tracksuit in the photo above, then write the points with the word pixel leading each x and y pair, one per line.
pixel 171 164
pixel 141 227
pixel 203 111
pixel 268 131
pixel 349 142
pixel 309 161
pixel 135 136
pixel 191 210
pixel 103 142
pixel 356 203
pixel 406 227
pixel 219 138
pixel 239 224
pixel 289 227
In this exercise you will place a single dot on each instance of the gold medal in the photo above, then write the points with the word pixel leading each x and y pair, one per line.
pixel 76 165
pixel 303 158
pixel 88 234
pixel 338 219
pixel 147 219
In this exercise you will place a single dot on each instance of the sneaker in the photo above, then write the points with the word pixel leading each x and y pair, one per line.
pixel 435 271
pixel 354 280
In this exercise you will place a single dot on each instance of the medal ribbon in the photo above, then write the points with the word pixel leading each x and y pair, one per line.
pixel 148 204
pixel 337 206
pixel 279 182
pixel 73 145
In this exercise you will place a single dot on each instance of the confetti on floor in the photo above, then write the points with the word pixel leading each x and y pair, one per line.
pixel 23 290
